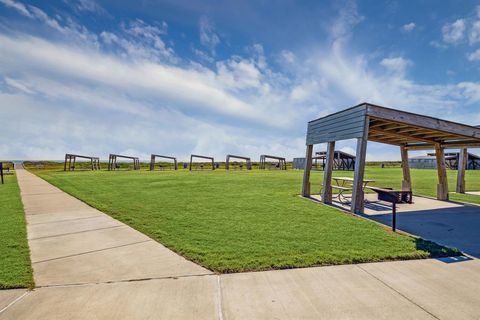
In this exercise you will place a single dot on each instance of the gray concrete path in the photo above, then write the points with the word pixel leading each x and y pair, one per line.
pixel 82 279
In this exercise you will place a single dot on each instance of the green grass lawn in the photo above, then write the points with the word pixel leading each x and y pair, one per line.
pixel 15 266
pixel 240 221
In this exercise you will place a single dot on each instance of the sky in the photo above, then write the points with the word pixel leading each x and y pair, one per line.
pixel 212 77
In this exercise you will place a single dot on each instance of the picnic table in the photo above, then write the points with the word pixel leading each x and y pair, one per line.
pixel 344 185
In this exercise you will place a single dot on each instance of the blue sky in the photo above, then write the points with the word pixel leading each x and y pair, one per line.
pixel 218 77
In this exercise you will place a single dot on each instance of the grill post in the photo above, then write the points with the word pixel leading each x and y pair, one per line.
pixel 394 216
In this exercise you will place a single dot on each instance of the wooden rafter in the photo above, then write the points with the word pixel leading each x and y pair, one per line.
pixel 405 136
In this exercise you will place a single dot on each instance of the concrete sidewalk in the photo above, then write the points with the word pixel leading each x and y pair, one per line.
pixel 421 289
pixel 90 266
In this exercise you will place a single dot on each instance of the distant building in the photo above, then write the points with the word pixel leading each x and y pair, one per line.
pixel 298 163
pixel 341 161
pixel 451 160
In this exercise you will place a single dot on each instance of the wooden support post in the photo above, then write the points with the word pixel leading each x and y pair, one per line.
pixel 327 173
pixel 357 193
pixel 442 187
pixel 306 171
pixel 152 162
pixel 462 166
pixel 407 180
pixel 65 164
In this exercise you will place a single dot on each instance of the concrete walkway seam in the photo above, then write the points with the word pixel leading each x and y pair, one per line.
pixel 14 301
pixel 395 290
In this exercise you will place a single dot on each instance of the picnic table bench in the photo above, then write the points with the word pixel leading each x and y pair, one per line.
pixel 344 185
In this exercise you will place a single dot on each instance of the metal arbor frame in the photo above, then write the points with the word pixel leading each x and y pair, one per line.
pixel 94 161
pixel 247 159
pixel 282 163
pixel 202 157
pixel 112 161
pixel 152 161
pixel 409 131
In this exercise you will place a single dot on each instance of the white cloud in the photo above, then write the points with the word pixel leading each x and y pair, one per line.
pixel 437 44
pixel 347 19
pixel 18 6
pixel 397 64
pixel 409 27
pixel 140 41
pixel 18 85
pixel 474 34
pixel 287 56
pixel 471 91
pixel 454 32
pixel 189 88
pixel 208 37
pixel 203 56
pixel 239 73
pixel 87 6
pixel 474 56
pixel 70 29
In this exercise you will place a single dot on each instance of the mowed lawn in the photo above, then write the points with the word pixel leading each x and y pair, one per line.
pixel 15 266
pixel 239 220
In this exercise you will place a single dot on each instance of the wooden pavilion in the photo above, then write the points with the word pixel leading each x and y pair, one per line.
pixel 409 131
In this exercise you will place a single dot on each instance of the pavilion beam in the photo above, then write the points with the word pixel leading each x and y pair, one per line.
pixel 462 165
pixel 306 171
pixel 402 136
pixel 442 187
pixel 357 193
pixel 407 180
pixel 327 173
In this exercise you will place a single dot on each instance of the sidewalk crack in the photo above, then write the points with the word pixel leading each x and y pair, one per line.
pixel 93 251
pixel 398 292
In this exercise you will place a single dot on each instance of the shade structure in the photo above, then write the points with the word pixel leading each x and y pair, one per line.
pixel 369 122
